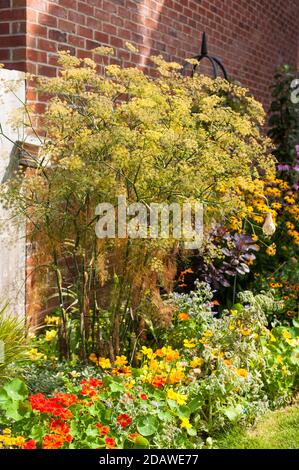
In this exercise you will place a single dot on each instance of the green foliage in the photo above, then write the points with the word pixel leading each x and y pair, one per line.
pixel 284 116
pixel 12 334
pixel 168 139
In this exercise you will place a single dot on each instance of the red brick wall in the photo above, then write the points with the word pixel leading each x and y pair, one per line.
pixel 252 37
pixel 13 33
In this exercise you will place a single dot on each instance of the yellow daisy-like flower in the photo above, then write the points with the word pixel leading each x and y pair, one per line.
pixel 196 362
pixel 189 343
pixel 147 352
pixel 120 361
pixel 286 334
pixel 185 423
pixel 242 373
pixel 50 335
pixel 104 363
pixel 180 399
pixel 244 331
pixel 271 250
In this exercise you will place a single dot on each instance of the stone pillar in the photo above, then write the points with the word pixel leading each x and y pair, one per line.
pixel 12 234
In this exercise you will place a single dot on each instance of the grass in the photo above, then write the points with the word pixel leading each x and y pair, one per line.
pixel 276 430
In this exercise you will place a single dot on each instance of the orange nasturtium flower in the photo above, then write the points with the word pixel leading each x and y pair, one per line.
pixel 183 316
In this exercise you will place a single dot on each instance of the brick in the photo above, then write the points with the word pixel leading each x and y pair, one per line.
pixel 47 70
pixel 18 27
pixel 18 14
pixel 4 55
pixel 19 54
pixel 5 4
pixel 101 37
pixel 57 35
pixel 67 47
pixel 67 26
pixel 46 45
pixel 4 28
pixel 37 29
pixel 36 55
pixel 85 8
pixel 47 20
pixel 13 41
pixel 85 32
pixel 76 17
pixel 76 41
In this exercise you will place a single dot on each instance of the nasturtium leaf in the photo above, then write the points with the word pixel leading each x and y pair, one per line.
pixel 191 432
pixel 184 411
pixel 16 390
pixel 147 425
pixel 141 443
pixel 233 412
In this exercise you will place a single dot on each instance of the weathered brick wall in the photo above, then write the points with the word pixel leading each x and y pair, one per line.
pixel 251 36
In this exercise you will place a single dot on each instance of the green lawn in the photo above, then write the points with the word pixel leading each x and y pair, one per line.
pixel 276 430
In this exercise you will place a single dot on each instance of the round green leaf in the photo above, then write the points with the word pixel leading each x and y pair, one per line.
pixel 147 425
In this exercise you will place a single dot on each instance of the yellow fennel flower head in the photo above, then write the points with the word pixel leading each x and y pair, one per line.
pixel 120 361
pixel 196 362
pixel 104 363
pixel 242 373
pixel 271 250
pixel 269 226
pixel 185 423
pixel 50 335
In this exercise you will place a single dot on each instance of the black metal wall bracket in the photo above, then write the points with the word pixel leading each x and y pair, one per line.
pixel 215 62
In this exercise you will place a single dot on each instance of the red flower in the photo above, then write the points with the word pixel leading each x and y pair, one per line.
pixel 66 399
pixel 124 420
pixel 158 382
pixel 104 430
pixel 143 396
pixel 110 442
pixel 59 427
pixel 30 444
pixel 92 383
pixel 49 405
